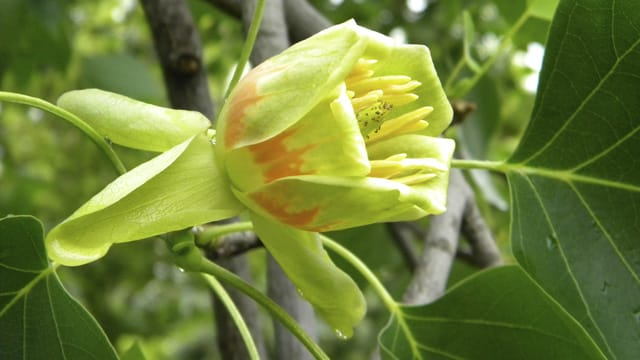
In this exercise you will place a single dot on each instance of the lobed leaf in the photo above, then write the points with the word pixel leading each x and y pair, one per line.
pixel 38 317
pixel 575 177
pixel 498 314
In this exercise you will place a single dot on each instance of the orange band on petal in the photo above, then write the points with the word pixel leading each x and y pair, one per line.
pixel 245 95
pixel 277 160
pixel 276 207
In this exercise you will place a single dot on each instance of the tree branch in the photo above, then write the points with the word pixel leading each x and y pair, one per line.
pixel 177 43
pixel 303 19
pixel 434 264
pixel 484 251
pixel 441 242
pixel 403 236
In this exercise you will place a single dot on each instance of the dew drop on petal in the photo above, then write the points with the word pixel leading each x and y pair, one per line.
pixel 300 293
pixel 340 334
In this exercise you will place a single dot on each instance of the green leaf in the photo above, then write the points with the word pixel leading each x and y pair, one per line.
pixel 38 317
pixel 135 352
pixel 543 9
pixel 575 178
pixel 497 314
pixel 177 189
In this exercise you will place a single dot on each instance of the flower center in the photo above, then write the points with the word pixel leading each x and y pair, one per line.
pixel 373 98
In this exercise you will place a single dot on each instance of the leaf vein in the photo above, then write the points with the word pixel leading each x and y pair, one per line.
pixel 570 272
pixel 608 236
pixel 585 101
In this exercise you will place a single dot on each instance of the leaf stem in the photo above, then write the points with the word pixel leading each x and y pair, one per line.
pixel 235 315
pixel 479 164
pixel 73 119
pixel 252 34
pixel 234 280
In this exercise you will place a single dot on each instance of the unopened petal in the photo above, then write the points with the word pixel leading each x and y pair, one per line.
pixel 133 123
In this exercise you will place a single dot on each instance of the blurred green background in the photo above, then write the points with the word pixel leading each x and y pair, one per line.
pixel 48 168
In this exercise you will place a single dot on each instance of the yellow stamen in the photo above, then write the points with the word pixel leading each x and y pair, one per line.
pixel 365 101
pixel 402 88
pixel 362 70
pixel 415 179
pixel 374 97
pixel 378 82
pixel 388 167
pixel 400 99
pixel 428 164
pixel 410 122
pixel 408 171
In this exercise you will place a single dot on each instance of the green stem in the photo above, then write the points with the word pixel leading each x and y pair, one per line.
pixel 391 305
pixel 479 164
pixel 209 234
pixel 235 315
pixel 382 292
pixel 454 74
pixel 252 34
pixel 73 119
pixel 232 279
pixel 470 83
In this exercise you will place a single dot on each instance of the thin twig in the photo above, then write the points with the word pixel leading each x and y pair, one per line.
pixel 403 236
pixel 179 49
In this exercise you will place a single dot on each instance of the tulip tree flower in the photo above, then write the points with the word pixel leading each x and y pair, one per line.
pixel 338 131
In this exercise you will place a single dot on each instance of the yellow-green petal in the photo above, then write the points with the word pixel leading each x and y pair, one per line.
pixel 326 141
pixel 415 61
pixel 324 203
pixel 133 123
pixel 280 91
pixel 177 189
pixel 333 294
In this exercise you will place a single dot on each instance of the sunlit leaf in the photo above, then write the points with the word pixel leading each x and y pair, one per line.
pixel 575 178
pixel 135 352
pixel 498 314
pixel 38 318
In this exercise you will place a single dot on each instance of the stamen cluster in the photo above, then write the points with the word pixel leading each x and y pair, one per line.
pixel 373 98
